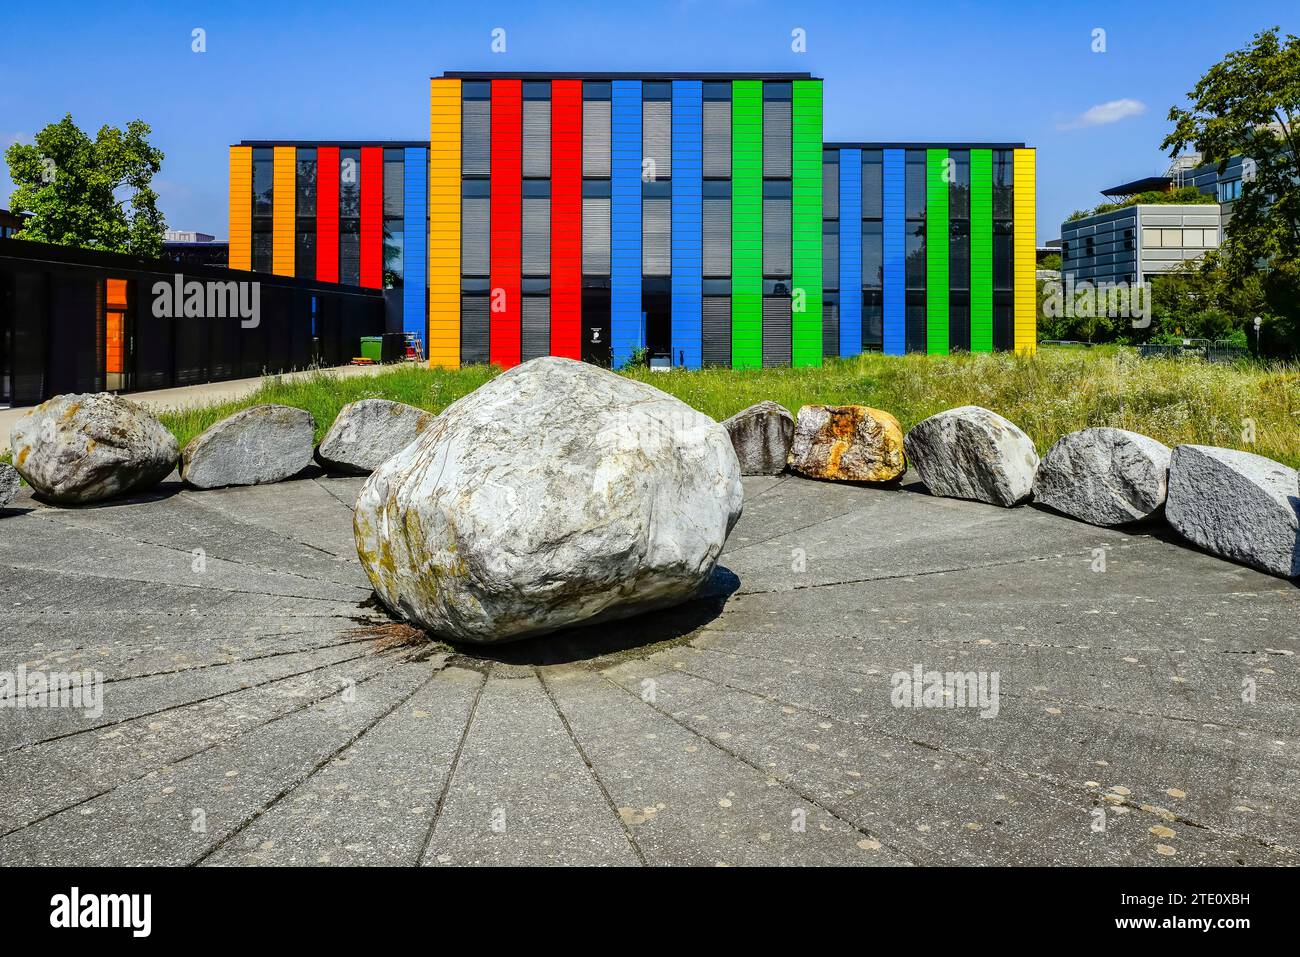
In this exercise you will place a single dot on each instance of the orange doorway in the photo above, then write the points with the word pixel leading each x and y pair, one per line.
pixel 115 335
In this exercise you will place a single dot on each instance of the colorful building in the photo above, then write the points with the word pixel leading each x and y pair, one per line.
pixel 696 219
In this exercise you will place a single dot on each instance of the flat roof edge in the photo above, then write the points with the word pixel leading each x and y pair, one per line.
pixel 622 75
pixel 920 145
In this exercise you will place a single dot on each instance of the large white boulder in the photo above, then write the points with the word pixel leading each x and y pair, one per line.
pixel 557 494
pixel 1104 476
pixel 267 443
pixel 970 452
pixel 368 433
pixel 77 449
pixel 761 436
pixel 1236 504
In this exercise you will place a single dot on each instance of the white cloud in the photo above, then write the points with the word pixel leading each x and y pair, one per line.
pixel 1103 113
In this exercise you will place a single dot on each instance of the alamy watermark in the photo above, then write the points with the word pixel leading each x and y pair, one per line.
pixel 919 688
pixel 24 689
pixel 208 300
pixel 1114 300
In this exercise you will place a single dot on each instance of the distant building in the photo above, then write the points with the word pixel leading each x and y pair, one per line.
pixel 1134 243
pixel 194 248
pixel 10 223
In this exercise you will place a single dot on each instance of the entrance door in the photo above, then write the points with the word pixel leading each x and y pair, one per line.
pixel 116 342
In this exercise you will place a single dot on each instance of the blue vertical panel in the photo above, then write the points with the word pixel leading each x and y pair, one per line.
pixel 688 221
pixel 626 332
pixel 416 222
pixel 894 227
pixel 850 252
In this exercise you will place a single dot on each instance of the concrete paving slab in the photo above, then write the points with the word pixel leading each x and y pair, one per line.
pixel 1142 684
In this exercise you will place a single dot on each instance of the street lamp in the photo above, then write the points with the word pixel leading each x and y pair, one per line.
pixel 1258 322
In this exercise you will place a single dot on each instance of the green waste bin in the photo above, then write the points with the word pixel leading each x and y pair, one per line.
pixel 372 347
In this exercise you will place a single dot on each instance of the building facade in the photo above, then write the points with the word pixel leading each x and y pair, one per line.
pixel 345 212
pixel 693 220
pixel 929 248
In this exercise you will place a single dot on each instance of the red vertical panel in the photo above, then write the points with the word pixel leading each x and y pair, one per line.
pixel 372 217
pixel 507 226
pixel 327 214
pixel 566 218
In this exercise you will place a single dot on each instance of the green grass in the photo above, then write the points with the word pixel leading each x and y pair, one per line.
pixel 1057 391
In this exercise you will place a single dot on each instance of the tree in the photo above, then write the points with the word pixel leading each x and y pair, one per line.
pixel 1249 105
pixel 90 193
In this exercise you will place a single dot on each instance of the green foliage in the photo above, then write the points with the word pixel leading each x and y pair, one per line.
pixel 1051 261
pixel 640 359
pixel 1249 105
pixel 94 194
pixel 1182 196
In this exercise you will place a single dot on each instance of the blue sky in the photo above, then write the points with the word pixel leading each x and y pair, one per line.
pixel 1003 71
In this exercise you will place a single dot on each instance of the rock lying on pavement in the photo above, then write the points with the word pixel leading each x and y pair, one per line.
pixel 847 443
pixel 8 484
pixel 79 449
pixel 557 494
pixel 1104 476
pixel 761 436
pixel 368 433
pixel 267 443
pixel 972 453
pixel 1237 505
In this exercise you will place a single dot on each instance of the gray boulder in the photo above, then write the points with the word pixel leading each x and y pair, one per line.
pixel 8 484
pixel 1104 476
pixel 970 452
pixel 78 449
pixel 557 494
pixel 368 433
pixel 1237 505
pixel 761 436
pixel 267 443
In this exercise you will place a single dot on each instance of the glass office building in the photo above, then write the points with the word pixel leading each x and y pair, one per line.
pixel 695 219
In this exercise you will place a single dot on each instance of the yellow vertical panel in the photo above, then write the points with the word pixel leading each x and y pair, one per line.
pixel 444 223
pixel 241 207
pixel 1025 246
pixel 284 196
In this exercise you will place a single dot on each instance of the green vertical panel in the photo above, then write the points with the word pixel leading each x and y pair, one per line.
pixel 981 250
pixel 746 224
pixel 937 177
pixel 806 223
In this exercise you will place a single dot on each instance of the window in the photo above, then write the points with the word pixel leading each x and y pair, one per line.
pixel 595 128
pixel 350 216
pixel 1003 179
pixel 831 185
pixel 537 227
pixel 717 130
pixel 716 236
pixel 776 130
pixel 537 129
pixel 263 208
pixel 476 125
pixel 1229 190
pixel 776 228
pixel 873 184
pixel 1128 239
pixel 475 212
pixel 304 258
pixel 394 213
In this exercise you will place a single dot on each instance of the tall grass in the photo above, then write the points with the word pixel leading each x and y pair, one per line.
pixel 1059 390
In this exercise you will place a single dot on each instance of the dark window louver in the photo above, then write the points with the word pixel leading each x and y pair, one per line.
pixel 776 138
pixel 537 137
pixel 717 236
pixel 776 237
pixel 830 328
pixel 473 330
pixel 537 236
pixel 595 235
pixel 475 217
pixel 476 153
pixel 717 139
pixel 716 323
pixel 657 138
pixel 831 257
pixel 535 327
pixel 776 331
pixel 656 236
pixel 830 191
pixel 595 138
